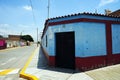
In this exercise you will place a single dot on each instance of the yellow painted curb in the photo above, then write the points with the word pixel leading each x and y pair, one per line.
pixel 28 76
pixel 22 72
pixel 4 72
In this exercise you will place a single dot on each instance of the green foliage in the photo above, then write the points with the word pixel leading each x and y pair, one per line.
pixel 1 36
pixel 27 38
pixel 38 42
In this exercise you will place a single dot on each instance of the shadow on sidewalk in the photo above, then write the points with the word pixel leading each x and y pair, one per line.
pixel 42 60
pixel 43 64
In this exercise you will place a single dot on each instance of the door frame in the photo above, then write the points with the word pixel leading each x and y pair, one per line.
pixel 73 46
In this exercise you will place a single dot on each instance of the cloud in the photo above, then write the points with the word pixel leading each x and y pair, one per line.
pixel 6 29
pixel 105 2
pixel 28 8
pixel 4 25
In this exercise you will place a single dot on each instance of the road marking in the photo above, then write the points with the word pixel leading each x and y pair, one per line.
pixel 8 61
pixel 3 63
pixel 1 70
pixel 14 71
pixel 22 72
pixel 5 72
pixel 29 60
pixel 12 59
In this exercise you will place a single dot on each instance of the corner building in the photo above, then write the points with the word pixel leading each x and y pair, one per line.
pixel 82 41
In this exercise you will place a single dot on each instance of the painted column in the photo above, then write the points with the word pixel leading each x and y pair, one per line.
pixel 109 43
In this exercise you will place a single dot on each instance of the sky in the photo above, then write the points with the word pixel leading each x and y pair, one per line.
pixel 19 17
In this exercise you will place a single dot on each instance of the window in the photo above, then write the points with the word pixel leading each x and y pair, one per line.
pixel 46 40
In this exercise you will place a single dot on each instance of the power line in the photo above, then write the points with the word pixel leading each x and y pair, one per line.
pixel 48 8
pixel 34 19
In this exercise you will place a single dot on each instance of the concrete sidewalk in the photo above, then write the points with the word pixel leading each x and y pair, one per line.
pixel 38 69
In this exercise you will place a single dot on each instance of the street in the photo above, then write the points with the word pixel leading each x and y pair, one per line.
pixel 15 58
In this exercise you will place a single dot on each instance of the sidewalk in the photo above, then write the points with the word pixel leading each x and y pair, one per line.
pixel 39 67
pixel 39 70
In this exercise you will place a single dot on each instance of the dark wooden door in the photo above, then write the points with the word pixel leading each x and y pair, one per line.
pixel 65 50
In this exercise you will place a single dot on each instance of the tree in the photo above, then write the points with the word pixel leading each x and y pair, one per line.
pixel 27 38
pixel 1 36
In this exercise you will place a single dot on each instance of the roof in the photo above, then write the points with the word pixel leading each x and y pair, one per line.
pixel 116 17
pixel 115 13
pixel 14 37
pixel 87 13
pixel 84 13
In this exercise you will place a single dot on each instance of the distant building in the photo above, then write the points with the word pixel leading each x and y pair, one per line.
pixel 82 41
pixel 13 40
pixel 3 44
pixel 14 37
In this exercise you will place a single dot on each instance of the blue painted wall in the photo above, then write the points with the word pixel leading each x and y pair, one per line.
pixel 116 38
pixel 90 38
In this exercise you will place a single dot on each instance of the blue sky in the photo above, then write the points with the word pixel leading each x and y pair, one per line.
pixel 16 15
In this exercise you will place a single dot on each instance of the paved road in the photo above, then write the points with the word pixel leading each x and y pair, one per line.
pixel 15 58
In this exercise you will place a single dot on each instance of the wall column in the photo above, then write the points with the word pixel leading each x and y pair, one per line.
pixel 109 43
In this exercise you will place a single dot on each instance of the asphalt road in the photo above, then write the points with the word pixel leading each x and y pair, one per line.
pixel 15 58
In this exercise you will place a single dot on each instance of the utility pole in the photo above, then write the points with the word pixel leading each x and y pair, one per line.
pixel 95 11
pixel 48 8
pixel 20 38
pixel 37 37
pixel 21 33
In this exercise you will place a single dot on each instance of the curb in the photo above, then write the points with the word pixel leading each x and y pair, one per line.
pixel 28 76
pixel 22 72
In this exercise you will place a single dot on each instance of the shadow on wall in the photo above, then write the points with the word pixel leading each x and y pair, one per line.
pixel 43 64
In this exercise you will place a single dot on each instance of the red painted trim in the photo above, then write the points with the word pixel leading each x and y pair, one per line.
pixel 51 61
pixel 108 38
pixel 77 20
pixel 89 63
pixel 109 43
pixel 86 63
pixel 116 58
pixel 81 20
